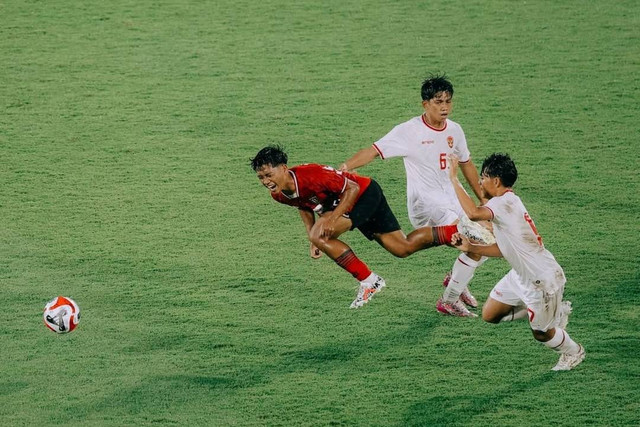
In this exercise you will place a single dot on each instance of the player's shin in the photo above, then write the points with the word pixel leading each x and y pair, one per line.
pixel 350 262
pixel 461 274
pixel 562 342
pixel 442 234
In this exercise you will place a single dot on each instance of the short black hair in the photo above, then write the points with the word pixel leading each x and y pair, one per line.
pixel 273 155
pixel 434 84
pixel 501 166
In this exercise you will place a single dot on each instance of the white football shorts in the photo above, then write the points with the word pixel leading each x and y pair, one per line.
pixel 542 306
pixel 432 213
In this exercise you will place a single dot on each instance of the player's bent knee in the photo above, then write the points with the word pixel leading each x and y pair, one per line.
pixel 396 250
pixel 490 317
pixel 401 254
pixel 318 241
pixel 542 336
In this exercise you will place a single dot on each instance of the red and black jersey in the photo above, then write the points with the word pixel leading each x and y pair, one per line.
pixel 319 187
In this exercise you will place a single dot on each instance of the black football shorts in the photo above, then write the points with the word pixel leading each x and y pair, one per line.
pixel 371 214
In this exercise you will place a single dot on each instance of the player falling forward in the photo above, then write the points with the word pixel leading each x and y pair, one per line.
pixel 342 201
pixel 424 143
pixel 535 284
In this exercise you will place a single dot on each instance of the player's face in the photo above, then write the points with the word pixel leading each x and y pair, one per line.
pixel 489 185
pixel 275 178
pixel 439 107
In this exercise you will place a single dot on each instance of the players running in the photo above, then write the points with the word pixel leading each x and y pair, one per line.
pixel 535 284
pixel 343 201
pixel 424 142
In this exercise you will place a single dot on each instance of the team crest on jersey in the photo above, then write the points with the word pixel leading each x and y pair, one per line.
pixel 450 141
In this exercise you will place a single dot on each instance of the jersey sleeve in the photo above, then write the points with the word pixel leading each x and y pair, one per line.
pixel 460 149
pixel 495 206
pixel 393 144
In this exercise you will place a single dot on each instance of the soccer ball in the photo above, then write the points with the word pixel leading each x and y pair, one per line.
pixel 61 315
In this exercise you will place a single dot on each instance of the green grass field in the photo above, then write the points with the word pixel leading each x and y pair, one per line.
pixel 125 133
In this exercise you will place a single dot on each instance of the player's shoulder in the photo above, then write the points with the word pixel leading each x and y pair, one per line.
pixel 411 123
pixel 311 171
pixel 453 125
pixel 508 199
pixel 307 167
pixel 510 196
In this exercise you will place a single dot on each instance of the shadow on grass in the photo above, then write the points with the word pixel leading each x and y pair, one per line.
pixel 373 342
pixel 157 395
pixel 461 409
pixel 9 387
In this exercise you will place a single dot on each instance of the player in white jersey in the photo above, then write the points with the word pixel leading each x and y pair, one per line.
pixel 424 143
pixel 535 284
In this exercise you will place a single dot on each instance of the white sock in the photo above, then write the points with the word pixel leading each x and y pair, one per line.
pixel 562 342
pixel 519 312
pixel 371 279
pixel 461 274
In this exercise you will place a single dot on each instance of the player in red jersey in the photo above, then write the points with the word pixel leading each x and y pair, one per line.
pixel 342 201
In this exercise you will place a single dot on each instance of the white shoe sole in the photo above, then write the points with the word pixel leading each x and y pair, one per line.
pixel 354 304
pixel 578 360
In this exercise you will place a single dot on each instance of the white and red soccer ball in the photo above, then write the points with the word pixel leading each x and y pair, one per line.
pixel 61 315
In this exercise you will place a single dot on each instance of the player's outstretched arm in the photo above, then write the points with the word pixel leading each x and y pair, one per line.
pixel 471 175
pixel 361 158
pixel 475 213
pixel 461 242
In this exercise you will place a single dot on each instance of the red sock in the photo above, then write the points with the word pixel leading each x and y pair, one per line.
pixel 442 234
pixel 350 262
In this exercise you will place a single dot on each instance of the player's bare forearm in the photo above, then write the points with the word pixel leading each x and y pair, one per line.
pixel 475 213
pixel 347 199
pixel 361 158
pixel 471 175
pixel 485 250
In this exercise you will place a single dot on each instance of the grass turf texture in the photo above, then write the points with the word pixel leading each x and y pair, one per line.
pixel 125 133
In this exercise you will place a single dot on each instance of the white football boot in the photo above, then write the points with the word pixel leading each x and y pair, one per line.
pixel 456 309
pixel 366 291
pixel 569 361
pixel 466 296
pixel 475 231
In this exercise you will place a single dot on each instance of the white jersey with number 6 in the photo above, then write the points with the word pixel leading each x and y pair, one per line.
pixel 521 245
pixel 431 199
